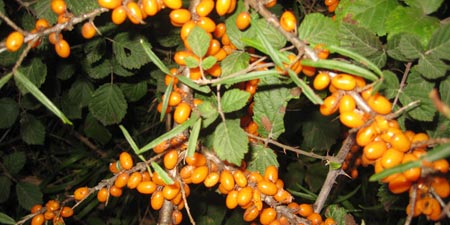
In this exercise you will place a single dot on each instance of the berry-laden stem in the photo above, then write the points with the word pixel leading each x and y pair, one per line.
pixel 165 213
pixel 334 173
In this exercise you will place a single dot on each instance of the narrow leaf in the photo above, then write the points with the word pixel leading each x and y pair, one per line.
pixel 5 79
pixel 35 71
pixel 341 66
pixel 5 219
pixel 274 54
pixel 306 89
pixel 129 139
pixel 165 101
pixel 358 58
pixel 193 85
pixel 148 50
pixel 162 173
pixel 192 144
pixel 247 76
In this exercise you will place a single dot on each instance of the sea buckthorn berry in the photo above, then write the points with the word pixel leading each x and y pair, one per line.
pixel 114 167
pixel 309 71
pixel 255 177
pixel 150 7
pixel 199 174
pixel 146 176
pixel 180 16
pixel 271 174
pixel 126 161
pixel 232 6
pixel 53 38
pixel 36 208
pixel 211 180
pixel 315 218
pixel 38 219
pixel 122 180
pixel 220 30
pixel 119 15
pixel 243 20
pixel 399 184
pixel 227 180
pixel 366 135
pixel 333 7
pixel 157 200
pixel 305 210
pixel 441 165
pixel 374 150
pixel 146 187
pixel 134 180
pixel 251 213
pixel 283 196
pixel 231 200
pixel 58 6
pixel 14 41
pixel 416 211
pixel 49 215
pixel 220 55
pixel 52 205
pixel 397 139
pixel 270 4
pixel 109 4
pixel 173 4
pixel 174 98
pixel 170 159
pixel 441 186
pixel 391 158
pixel 412 174
pixel 267 215
pixel 41 24
pixel 156 178
pixel 186 29
pixel 186 173
pixel 267 187
pixel 347 104
pixel 182 112
pixel 379 104
pixel 206 23
pixel 196 160
pixel 205 7
pixel 66 212
pixel 239 178
pixel 161 147
pixel 352 119
pixel 88 30
pixel 80 193
pixel 245 196
pixel 180 57
pixel 344 82
pixel 134 12
pixel 168 78
pixel 330 105
pixel 62 48
pixel 321 81
pixel 322 52
pixel 171 191
pixel 177 217
pixel 330 2
pixel 288 21
pixel 222 6
pixel 419 137
pixel 102 195
pixel 214 47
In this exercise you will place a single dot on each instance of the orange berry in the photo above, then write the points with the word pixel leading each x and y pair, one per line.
pixel 288 21
pixel 41 24
pixel 211 180
pixel 134 180
pixel 321 81
pixel 379 104
pixel 245 196
pixel 305 210
pixel 102 195
pixel 157 200
pixel 267 187
pixel 251 213
pixel 180 16
pixel 62 48
pixel 52 205
pixel 309 71
pixel 14 41
pixel 227 180
pixel 330 105
pixel 222 6
pixel 115 191
pixel 412 174
pixel 315 218
pixel 36 208
pixel 58 6
pixel 109 4
pixel 80 193
pixel 125 160
pixel 146 187
pixel 374 150
pixel 205 7
pixel 199 174
pixel 173 4
pixel 366 135
pixel 391 158
pixel 243 20
pixel 122 180
pixel 88 30
pixel 344 82
pixel 134 12
pixel 270 4
pixel 220 30
pixel 333 7
pixel 441 186
pixel 38 219
pixel 171 191
pixel 399 184
pixel 215 70
pixel 352 119
pixel 156 178
pixel 240 179
pixel 330 2
pixel 182 112
pixel 177 217
pixel 119 15
pixel 206 23
pixel 66 212
pixel 231 200
pixel 441 165
pixel 170 159
pixel 271 174
pixel 151 7
pixel 283 196
pixel 267 215
pixel 347 104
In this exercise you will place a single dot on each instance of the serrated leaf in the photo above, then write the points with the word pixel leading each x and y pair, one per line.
pixel 370 14
pixel 43 10
pixel 275 38
pixel 390 84
pixel 233 100
pixel 28 194
pixel 5 188
pixel 162 173
pixel 198 40
pixel 99 69
pixel 234 34
pixel 270 107
pixel 191 62
pixel 316 28
pixel 418 89
pixel 81 92
pixel 261 158
pixel 405 47
pixel 79 7
pixel 236 61
pixel 230 141
pixel 14 162
pixel 439 44
pixel 93 129
pixel 5 219
pixel 65 70
pixel 337 213
pixel 94 50
pixel 108 104
pixel 134 91
pixel 120 70
pixel 128 50
pixel 70 107
pixel 35 71
pixel 431 67
pixel 10 111
pixel 427 7
pixel 153 57
pixel 411 20
pixel 208 112
pixel 444 86
pixel 208 62
pixel 319 132
pixel 32 130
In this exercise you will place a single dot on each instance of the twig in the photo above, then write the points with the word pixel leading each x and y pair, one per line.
pixel 186 205
pixel 219 104
pixel 11 23
pixel 89 144
pixel 440 106
pixel 412 202
pixel 402 83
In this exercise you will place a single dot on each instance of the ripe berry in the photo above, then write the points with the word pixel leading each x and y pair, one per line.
pixel 267 187
pixel 134 12
pixel 14 41
pixel 80 193
pixel 206 23
pixel 62 48
pixel 305 210
pixel 171 191
pixel 243 20
pixel 182 112
pixel 109 4
pixel 288 21
pixel 222 6
pixel 126 161
pixel 352 119
pixel 119 15
pixel 344 82
pixel 58 6
pixel 38 219
pixel 115 191
pixel 171 159
pixel 205 7
pixel 232 199
pixel 88 30
pixel 157 200
pixel 227 180
pixel 267 216
pixel 321 81
pixel 180 16
pixel 146 187
pixel 122 180
pixel 271 174
pixel 199 174
pixel 134 180
pixel 66 212
pixel 102 195
pixel 251 213
pixel 220 30
pixel 173 4
pixel 41 24
pixel 151 7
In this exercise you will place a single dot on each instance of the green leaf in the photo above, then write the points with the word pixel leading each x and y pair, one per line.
pixel 134 91
pixel 129 139
pixel 65 70
pixel 108 104
pixel 10 111
pixel 191 84
pixel 362 41
pixel 261 158
pixel 43 10
pixel 32 130
pixel 208 112
pixel 208 62
pixel 152 56
pixel 128 50
pixel 248 76
pixel 193 137
pixel 234 34
pixel 418 89
pixel 234 99
pixel 319 132
pixel 162 173
pixel 81 92
pixel 390 84
pixel 236 61
pixel 28 194
pixel 14 162
pixel 411 20
pixel 191 62
pixel 165 101
pixel 357 58
pixel 79 7
pixel 93 129
pixel 444 86
pixel 275 38
pixel 5 79
pixel 5 189
pixel 35 71
pixel 120 70
pixel 94 50
pixel 405 47
pixel 270 107
pixel 439 44
pixel 337 213
pixel 70 107
pixel 98 70
pixel 230 141
pixel 306 89
pixel 198 40
pixel 317 28
pixel 341 66
pixel 371 14
pixel 271 51
pixel 427 7
pixel 431 67
pixel 5 219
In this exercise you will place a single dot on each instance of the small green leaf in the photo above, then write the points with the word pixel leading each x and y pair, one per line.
pixel 390 84
pixel 191 62
pixel 236 61
pixel 14 162
pixel 65 70
pixel 317 28
pixel 148 51
pixel 81 92
pixel 108 104
pixel 319 132
pixel 79 7
pixel 98 70
pixel 191 84
pixel 165 101
pixel 306 89
pixel 94 50
pixel 35 71
pixel 162 173
pixel 261 158
pixel 439 44
pixel 198 40
pixel 208 112
pixel 431 67
pixel 5 188
pixel 208 62
pixel 129 139
pixel 5 219
pixel 337 213
pixel 274 37
pixel 10 111
pixel 427 7
pixel 404 47
pixel 128 50
pixel 32 130
pixel 28 195
pixel 234 99
pixel 193 137
pixel 93 129
pixel 134 91
pixel 230 141
pixel 5 79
